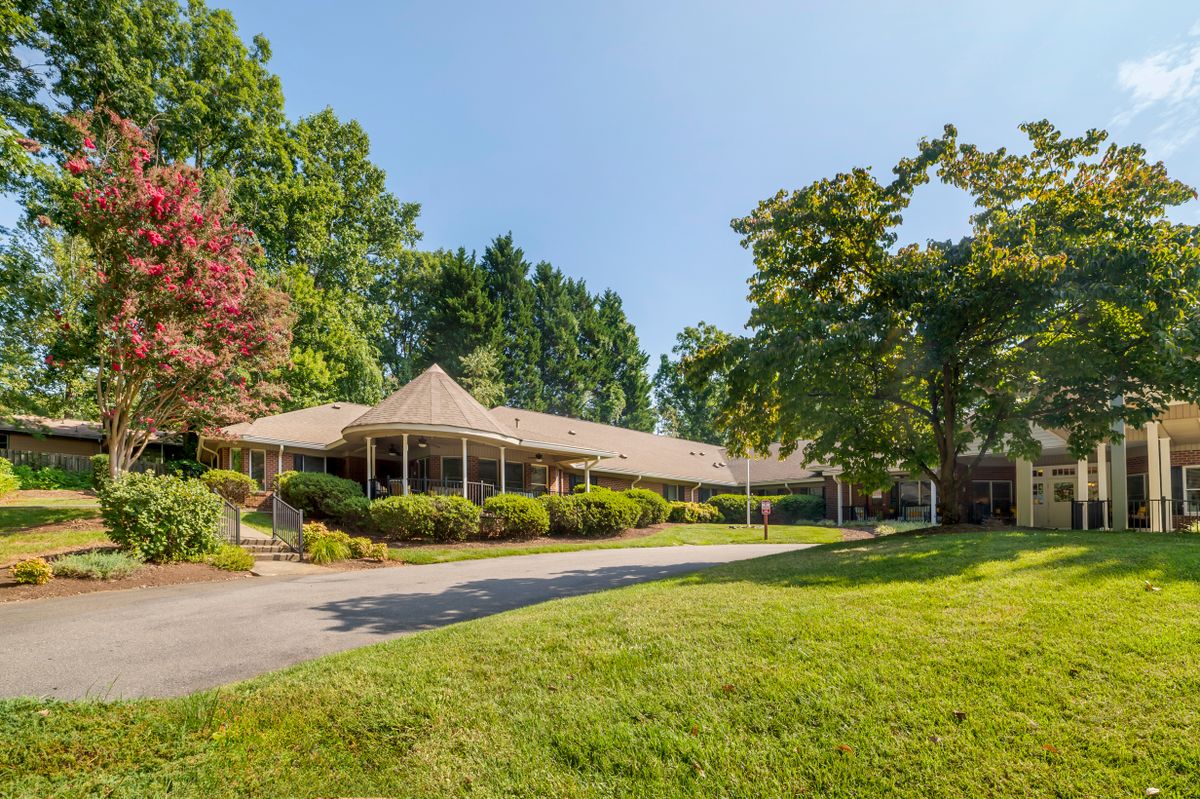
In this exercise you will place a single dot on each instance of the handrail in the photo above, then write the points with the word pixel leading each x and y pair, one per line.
pixel 230 525
pixel 287 524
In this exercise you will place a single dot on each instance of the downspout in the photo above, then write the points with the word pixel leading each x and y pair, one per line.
pixel 696 492
pixel 637 480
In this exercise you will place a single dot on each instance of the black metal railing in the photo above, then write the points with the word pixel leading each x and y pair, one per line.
pixel 1163 514
pixel 1096 512
pixel 858 513
pixel 287 524
pixel 230 526
pixel 913 513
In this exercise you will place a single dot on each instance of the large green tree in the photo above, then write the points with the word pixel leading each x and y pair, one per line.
pixel 687 406
pixel 1073 288
pixel 520 351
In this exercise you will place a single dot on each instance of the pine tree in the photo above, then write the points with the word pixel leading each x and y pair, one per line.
pixel 558 328
pixel 507 276
pixel 626 365
pixel 460 316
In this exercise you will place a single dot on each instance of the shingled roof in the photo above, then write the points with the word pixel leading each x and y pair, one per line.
pixel 319 426
pixel 433 399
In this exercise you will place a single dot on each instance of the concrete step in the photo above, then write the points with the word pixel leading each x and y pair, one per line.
pixel 289 555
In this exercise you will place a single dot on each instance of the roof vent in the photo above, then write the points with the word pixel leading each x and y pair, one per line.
pixel 570 432
pixel 623 456
pixel 336 405
pixel 516 422
pixel 701 453
pixel 693 452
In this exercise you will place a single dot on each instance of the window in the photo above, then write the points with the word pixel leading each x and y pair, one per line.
pixel 514 476
pixel 537 479
pixel 308 463
pixel 235 459
pixel 488 472
pixel 991 498
pixel 574 480
pixel 1136 487
pixel 3 440
pixel 674 493
pixel 258 465
pixel 452 469
pixel 913 492
pixel 706 494
pixel 1191 489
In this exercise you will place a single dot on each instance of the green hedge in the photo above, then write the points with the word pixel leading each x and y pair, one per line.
pixel 800 508
pixel 52 477
pixel 452 518
pixel 230 485
pixel 732 507
pixel 161 518
pixel 654 509
pixel 317 494
pixel 607 512
pixel 566 515
pixel 512 515
pixel 8 480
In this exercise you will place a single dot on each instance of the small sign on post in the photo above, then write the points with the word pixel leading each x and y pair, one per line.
pixel 766 514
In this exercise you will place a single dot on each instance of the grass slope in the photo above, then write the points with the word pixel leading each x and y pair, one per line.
pixel 698 534
pixel 833 672
pixel 20 536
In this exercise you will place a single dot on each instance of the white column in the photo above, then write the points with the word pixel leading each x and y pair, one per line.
pixel 1024 496
pixel 1120 481
pixel 279 466
pixel 587 477
pixel 464 467
pixel 1154 476
pixel 370 471
pixel 502 480
pixel 747 490
pixel 838 482
pixel 1081 491
pixel 1164 476
pixel 1102 482
pixel 933 517
pixel 404 437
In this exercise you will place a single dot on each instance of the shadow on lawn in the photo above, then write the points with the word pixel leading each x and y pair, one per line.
pixel 921 558
pixel 393 613
pixel 19 518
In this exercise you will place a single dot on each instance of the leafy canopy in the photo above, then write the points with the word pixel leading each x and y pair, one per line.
pixel 1073 288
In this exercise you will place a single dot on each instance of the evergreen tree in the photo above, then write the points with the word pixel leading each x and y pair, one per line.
pixel 520 352
pixel 558 329
pixel 460 316
pixel 625 368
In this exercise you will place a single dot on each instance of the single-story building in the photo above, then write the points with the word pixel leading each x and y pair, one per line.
pixel 68 443
pixel 433 436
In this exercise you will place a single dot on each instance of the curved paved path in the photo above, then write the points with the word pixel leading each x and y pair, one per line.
pixel 178 639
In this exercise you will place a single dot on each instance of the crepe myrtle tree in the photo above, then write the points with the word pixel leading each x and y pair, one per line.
pixel 1073 288
pixel 185 334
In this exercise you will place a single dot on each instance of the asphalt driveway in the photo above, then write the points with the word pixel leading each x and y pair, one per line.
pixel 178 639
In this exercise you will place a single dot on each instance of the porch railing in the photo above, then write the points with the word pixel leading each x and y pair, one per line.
pixel 477 492
pixel 230 526
pixel 287 524
pixel 1163 514
pixel 913 513
pixel 1097 512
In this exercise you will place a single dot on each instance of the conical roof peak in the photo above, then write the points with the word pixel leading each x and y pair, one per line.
pixel 433 399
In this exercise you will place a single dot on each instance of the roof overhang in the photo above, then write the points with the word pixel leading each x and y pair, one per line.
pixel 356 431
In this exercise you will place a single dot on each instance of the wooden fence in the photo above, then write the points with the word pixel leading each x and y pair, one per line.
pixel 68 463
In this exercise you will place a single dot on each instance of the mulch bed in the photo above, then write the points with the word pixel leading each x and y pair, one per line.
pixel 856 534
pixel 149 576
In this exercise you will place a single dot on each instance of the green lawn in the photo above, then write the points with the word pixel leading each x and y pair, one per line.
pixel 257 520
pixel 19 536
pixel 683 534
pixel 832 672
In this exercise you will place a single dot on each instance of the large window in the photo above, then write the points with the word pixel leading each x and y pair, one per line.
pixel 514 476
pixel 674 493
pixel 991 498
pixel 235 460
pixel 1191 489
pixel 452 469
pixel 308 463
pixel 258 465
pixel 488 472
pixel 538 479
pixel 3 440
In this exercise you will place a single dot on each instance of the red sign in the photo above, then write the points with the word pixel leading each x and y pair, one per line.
pixel 766 507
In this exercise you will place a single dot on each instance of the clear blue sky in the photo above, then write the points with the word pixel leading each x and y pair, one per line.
pixel 618 139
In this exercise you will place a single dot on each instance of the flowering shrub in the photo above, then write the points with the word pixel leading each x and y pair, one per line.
pixel 187 331
pixel 161 518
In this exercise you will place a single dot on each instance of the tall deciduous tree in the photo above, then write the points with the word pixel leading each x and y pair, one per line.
pixel 1074 288
pixel 185 332
pixel 687 405
pixel 481 375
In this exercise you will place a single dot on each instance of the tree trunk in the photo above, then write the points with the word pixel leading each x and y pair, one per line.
pixel 949 492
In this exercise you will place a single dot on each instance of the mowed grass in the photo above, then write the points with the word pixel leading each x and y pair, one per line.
pixel 831 672
pixel 697 534
pixel 20 535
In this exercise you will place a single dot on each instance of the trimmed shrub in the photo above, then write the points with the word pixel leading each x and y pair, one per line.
pixel 360 547
pixel 161 518
pixel 800 507
pixel 455 518
pixel 186 467
pixel 230 485
pixel 693 513
pixel 514 515
pixel 654 509
pixel 97 565
pixel 52 477
pixel 607 512
pixel 8 481
pixel 565 513
pixel 732 507
pixel 34 571
pixel 232 558
pixel 378 552
pixel 99 471
pixel 403 516
pixel 327 549
pixel 353 512
pixel 316 493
